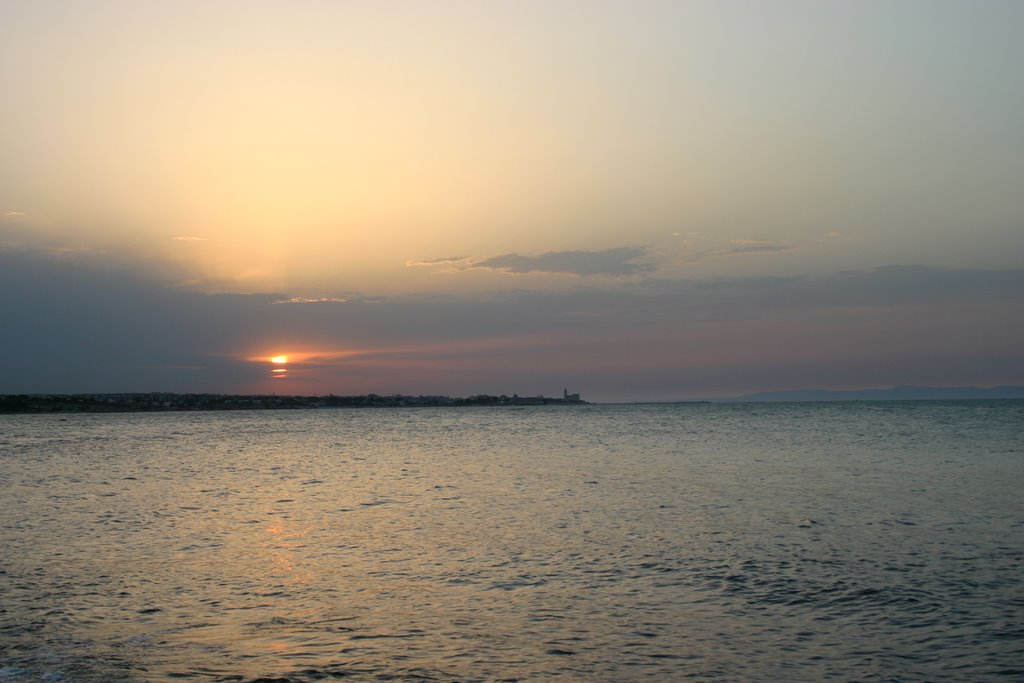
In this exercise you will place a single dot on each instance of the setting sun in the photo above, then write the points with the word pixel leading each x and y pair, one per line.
pixel 279 359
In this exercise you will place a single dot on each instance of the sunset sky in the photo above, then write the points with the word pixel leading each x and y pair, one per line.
pixel 634 200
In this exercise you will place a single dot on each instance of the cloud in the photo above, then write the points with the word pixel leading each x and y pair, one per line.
pixel 757 248
pixel 740 240
pixel 619 262
pixel 68 250
pixel 623 261
pixel 307 300
pixel 739 246
pixel 437 261
pixel 189 238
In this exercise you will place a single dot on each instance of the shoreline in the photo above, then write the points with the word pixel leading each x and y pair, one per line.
pixel 169 402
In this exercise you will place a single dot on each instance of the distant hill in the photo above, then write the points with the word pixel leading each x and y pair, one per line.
pixel 901 393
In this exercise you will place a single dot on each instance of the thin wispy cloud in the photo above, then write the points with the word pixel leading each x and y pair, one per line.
pixel 699 251
pixel 618 262
pixel 759 249
pixel 316 300
pixel 437 261
pixel 623 261
pixel 743 241
pixel 73 250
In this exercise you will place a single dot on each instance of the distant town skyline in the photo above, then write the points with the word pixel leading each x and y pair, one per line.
pixel 641 201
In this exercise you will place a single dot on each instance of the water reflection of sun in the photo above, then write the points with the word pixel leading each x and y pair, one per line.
pixel 281 552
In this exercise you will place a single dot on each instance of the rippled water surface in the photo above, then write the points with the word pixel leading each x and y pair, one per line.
pixel 852 541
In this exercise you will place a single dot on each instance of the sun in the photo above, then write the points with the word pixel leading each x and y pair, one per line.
pixel 279 360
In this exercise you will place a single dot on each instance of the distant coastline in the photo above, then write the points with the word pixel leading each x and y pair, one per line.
pixel 170 402
pixel 900 393
pixel 142 402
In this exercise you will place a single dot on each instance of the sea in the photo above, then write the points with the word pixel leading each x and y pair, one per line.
pixel 854 541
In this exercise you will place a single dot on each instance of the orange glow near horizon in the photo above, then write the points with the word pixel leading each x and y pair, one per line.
pixel 315 356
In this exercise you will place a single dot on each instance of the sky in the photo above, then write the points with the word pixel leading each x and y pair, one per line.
pixel 632 200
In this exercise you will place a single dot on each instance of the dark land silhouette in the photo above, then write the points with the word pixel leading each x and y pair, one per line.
pixel 167 402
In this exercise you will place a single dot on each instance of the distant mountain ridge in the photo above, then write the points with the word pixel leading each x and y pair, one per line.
pixel 900 393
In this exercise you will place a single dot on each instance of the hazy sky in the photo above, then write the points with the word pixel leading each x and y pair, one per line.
pixel 631 199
